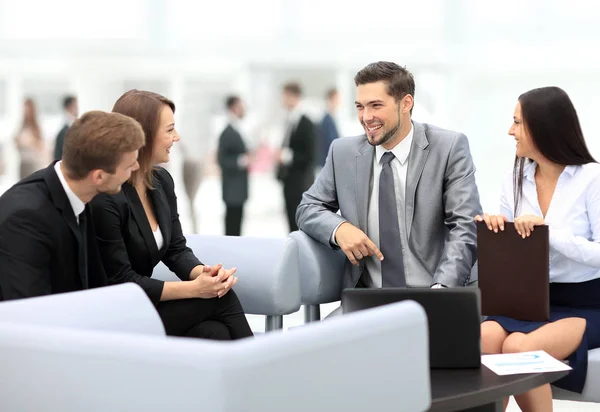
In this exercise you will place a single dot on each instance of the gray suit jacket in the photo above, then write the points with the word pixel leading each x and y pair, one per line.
pixel 441 202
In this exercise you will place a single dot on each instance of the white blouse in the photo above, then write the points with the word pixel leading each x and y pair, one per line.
pixel 158 238
pixel 573 219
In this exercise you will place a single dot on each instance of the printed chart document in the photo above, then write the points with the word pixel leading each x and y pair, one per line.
pixel 525 362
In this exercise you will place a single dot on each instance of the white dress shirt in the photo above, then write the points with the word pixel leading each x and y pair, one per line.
pixel 291 122
pixel 399 167
pixel 76 204
pixel 573 219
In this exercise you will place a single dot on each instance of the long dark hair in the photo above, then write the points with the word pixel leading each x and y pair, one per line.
pixel 145 107
pixel 552 123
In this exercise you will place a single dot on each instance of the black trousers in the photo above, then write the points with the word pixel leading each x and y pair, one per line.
pixel 292 195
pixel 218 318
pixel 233 219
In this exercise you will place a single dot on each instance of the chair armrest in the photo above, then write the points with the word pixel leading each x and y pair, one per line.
pixel 321 270
pixel 266 285
pixel 119 308
pixel 317 367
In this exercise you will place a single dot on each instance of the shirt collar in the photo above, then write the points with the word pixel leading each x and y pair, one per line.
pixel 69 119
pixel 529 170
pixel 235 122
pixel 76 204
pixel 400 151
pixel 295 114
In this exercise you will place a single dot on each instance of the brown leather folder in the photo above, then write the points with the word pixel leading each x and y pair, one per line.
pixel 514 272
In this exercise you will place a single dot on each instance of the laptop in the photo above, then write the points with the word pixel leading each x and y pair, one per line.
pixel 453 315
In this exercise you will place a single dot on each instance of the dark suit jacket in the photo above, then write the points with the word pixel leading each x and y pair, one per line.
pixel 300 173
pixel 41 249
pixel 126 240
pixel 59 142
pixel 234 179
pixel 327 134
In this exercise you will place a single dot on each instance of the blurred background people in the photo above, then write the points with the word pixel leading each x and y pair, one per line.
pixel 29 141
pixel 234 158
pixel 296 159
pixel 328 130
pixel 70 107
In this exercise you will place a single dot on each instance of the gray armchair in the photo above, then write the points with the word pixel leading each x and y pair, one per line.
pixel 592 383
pixel 320 270
pixel 266 267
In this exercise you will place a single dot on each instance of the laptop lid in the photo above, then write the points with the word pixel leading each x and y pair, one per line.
pixel 453 315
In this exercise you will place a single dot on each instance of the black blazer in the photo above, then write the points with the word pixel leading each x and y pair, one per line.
pixel 59 142
pixel 302 143
pixel 126 240
pixel 41 248
pixel 234 179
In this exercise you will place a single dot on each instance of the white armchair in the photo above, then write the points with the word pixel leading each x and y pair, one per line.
pixel 374 359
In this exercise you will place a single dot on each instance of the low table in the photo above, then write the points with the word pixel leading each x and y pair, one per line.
pixel 481 390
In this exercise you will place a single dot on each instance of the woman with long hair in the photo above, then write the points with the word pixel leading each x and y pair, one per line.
pixel 139 227
pixel 555 182
pixel 29 141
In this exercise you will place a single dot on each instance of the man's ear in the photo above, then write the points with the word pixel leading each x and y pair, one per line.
pixel 97 177
pixel 407 103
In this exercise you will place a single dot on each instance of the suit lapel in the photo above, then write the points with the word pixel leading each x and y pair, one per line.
pixel 139 215
pixel 364 168
pixel 419 152
pixel 61 201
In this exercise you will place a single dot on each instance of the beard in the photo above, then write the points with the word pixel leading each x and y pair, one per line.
pixel 389 134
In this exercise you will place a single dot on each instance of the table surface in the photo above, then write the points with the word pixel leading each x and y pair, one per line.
pixel 457 389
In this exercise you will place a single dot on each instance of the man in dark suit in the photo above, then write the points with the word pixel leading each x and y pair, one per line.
pixel 71 111
pixel 296 159
pixel 328 131
pixel 233 159
pixel 47 238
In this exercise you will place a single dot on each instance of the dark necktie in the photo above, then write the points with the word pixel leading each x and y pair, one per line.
pixel 392 266
pixel 83 253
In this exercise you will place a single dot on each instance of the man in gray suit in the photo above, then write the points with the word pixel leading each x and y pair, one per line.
pixel 405 191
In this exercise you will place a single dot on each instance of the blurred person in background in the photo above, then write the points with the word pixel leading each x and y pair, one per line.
pixel 29 141
pixel 234 158
pixel 328 131
pixel 140 227
pixel 71 112
pixel 296 158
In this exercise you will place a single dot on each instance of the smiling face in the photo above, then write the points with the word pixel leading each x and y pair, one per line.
pixel 525 145
pixel 380 115
pixel 166 135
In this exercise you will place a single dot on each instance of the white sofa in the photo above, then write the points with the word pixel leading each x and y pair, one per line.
pixel 105 350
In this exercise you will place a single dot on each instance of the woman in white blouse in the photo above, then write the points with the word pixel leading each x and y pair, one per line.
pixel 555 182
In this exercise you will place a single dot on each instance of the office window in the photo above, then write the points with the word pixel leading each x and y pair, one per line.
pixel 2 98
pixel 47 94
pixel 202 110
pixel 219 21
pixel 73 19
pixel 157 86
